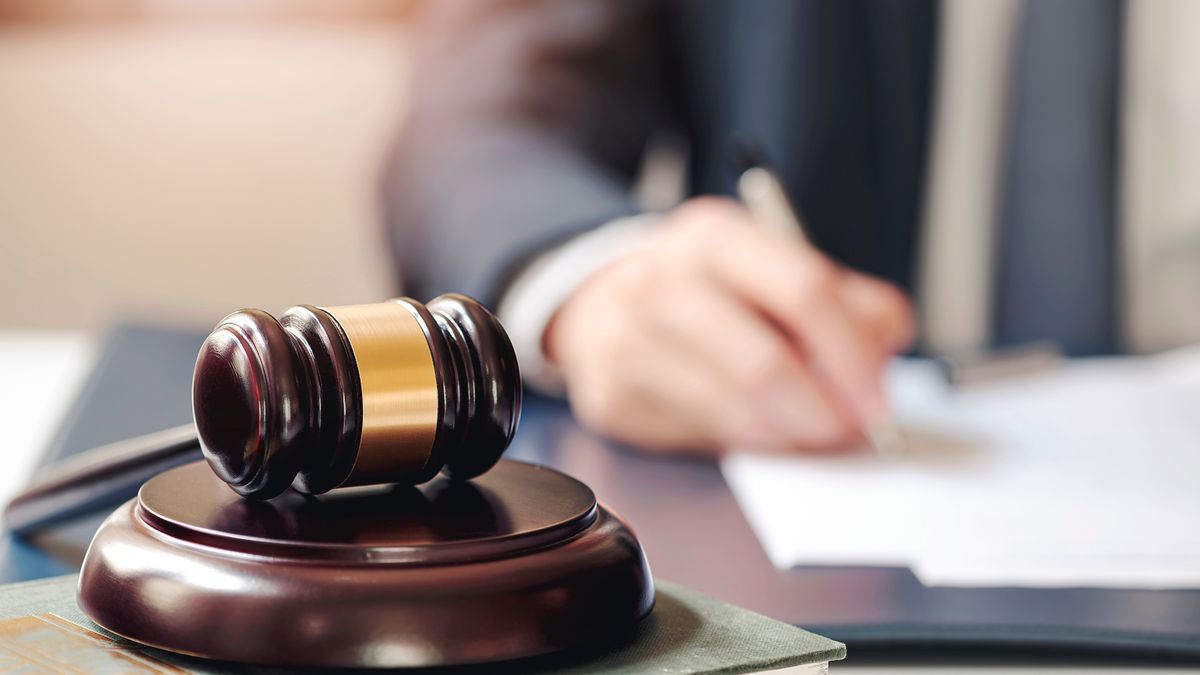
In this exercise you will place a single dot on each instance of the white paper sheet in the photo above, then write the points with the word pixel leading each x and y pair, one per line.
pixel 40 373
pixel 1087 476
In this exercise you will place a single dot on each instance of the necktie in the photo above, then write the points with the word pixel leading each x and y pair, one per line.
pixel 1055 258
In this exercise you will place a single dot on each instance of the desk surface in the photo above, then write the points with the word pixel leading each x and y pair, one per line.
pixel 690 525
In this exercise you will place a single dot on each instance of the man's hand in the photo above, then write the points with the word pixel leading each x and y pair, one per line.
pixel 721 335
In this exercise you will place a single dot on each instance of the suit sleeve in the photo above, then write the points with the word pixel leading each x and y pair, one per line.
pixel 527 124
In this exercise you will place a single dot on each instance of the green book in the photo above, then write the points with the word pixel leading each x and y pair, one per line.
pixel 42 629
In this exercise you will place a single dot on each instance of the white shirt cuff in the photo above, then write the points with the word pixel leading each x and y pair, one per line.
pixel 546 283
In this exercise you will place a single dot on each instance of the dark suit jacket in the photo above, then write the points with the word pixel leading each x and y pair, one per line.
pixel 530 118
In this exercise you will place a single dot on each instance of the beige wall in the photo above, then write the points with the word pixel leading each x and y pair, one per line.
pixel 182 170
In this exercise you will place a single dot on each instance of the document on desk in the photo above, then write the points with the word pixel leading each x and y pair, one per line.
pixel 40 372
pixel 1087 476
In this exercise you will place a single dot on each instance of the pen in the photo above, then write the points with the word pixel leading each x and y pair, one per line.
pixel 762 192
pixel 98 478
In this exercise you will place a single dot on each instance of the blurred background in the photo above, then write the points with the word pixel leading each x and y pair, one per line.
pixel 176 159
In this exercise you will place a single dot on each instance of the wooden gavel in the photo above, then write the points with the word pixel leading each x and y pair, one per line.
pixel 394 392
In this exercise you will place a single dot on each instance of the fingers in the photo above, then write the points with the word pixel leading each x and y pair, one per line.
pixel 717 334
pixel 801 291
pixel 761 377
pixel 642 389
pixel 636 419
pixel 617 383
pixel 696 403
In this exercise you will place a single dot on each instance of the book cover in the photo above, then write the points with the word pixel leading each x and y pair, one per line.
pixel 42 629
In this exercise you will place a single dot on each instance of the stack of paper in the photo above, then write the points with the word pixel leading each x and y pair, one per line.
pixel 1085 476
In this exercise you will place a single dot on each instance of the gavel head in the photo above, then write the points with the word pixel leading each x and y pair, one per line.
pixel 394 392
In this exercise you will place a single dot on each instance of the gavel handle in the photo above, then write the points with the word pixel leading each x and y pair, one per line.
pixel 98 478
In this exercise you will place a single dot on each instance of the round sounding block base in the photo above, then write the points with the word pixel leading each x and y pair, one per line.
pixel 518 562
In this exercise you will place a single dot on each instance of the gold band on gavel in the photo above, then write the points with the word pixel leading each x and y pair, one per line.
pixel 399 390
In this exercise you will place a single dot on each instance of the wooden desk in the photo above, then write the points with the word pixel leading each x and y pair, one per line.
pixel 694 534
